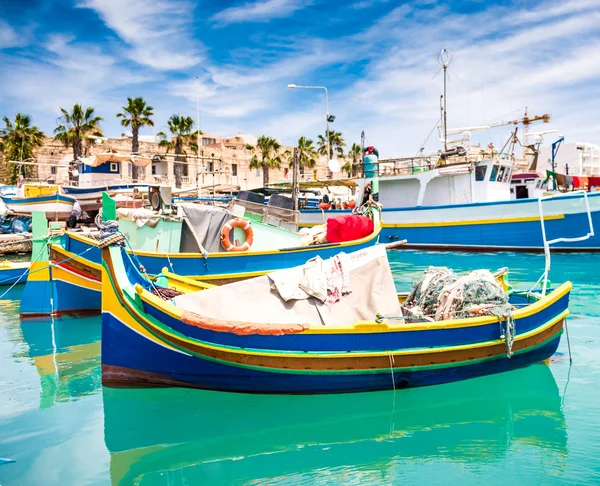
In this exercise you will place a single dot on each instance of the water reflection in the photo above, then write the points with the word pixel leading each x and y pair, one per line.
pixel 198 437
pixel 66 355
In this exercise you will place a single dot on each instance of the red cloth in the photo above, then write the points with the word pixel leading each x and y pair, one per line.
pixel 348 228
pixel 594 181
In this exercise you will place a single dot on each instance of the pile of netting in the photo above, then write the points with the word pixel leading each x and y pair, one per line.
pixel 440 294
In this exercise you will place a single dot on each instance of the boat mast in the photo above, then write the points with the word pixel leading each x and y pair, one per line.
pixel 444 59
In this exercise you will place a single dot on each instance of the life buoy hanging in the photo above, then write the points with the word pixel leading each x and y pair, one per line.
pixel 228 227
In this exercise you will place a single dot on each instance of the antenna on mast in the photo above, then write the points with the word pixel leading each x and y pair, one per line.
pixel 444 58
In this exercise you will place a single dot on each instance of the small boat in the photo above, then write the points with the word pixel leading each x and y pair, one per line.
pixel 254 336
pixel 41 197
pixel 13 272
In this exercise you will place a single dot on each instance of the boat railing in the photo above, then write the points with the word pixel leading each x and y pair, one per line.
pixel 272 215
pixel 561 239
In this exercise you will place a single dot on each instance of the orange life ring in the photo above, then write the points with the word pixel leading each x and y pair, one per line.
pixel 226 230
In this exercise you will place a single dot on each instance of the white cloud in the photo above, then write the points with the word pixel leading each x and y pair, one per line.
pixel 9 37
pixel 260 11
pixel 159 32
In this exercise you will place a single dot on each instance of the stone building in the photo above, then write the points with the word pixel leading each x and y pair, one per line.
pixel 222 161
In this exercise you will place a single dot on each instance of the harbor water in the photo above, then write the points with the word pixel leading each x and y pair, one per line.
pixel 540 425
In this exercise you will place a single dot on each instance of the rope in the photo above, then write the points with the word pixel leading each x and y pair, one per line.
pixel 508 333
pixel 109 233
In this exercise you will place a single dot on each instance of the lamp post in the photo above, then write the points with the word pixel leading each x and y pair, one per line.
pixel 293 86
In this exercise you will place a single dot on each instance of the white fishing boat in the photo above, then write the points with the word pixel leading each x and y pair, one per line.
pixel 40 197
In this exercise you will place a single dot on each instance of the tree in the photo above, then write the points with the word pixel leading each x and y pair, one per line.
pixel 19 140
pixel 336 144
pixel 77 128
pixel 307 154
pixel 135 115
pixel 354 155
pixel 181 134
pixel 269 156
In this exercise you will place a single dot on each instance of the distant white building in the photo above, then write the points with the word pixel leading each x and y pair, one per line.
pixel 572 158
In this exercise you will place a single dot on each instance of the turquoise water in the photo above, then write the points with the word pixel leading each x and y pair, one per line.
pixel 535 426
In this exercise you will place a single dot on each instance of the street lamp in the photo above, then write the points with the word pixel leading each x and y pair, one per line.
pixel 328 118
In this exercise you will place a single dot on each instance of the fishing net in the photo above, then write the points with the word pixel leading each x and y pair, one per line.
pixel 440 294
pixel 425 295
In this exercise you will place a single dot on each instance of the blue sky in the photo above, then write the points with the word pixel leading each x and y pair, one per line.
pixel 378 58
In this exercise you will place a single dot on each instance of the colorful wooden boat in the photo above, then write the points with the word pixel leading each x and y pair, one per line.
pixel 497 414
pixel 39 197
pixel 147 341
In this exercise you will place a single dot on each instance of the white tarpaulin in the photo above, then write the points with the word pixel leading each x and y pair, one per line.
pixel 256 300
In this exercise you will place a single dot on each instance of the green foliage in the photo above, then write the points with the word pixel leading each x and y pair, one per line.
pixel 77 128
pixel 336 144
pixel 135 115
pixel 265 155
pixel 180 128
pixel 19 140
pixel 354 156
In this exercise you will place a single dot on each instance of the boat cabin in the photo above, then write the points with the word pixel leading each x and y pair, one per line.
pixel 461 183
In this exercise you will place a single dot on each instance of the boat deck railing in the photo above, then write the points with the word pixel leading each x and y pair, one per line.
pixel 561 239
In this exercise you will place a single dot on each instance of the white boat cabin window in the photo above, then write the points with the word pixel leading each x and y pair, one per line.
pixel 480 172
pixel 494 173
pixel 500 174
pixel 506 175
pixel 114 167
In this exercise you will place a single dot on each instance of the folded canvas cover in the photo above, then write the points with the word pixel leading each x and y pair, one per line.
pixel 253 300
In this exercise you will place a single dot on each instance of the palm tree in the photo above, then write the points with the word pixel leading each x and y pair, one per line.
pixel 336 142
pixel 19 140
pixel 136 114
pixel 354 154
pixel 307 154
pixel 181 134
pixel 269 156
pixel 77 128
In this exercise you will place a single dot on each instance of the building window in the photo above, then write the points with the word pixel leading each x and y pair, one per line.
pixel 257 173
pixel 209 141
pixel 211 166
pixel 286 172
pixel 53 170
pixel 234 170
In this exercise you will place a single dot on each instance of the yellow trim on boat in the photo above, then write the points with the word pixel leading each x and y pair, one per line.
pixel 526 219
pixel 475 221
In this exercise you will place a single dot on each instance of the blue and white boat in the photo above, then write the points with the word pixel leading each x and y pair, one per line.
pixel 468 206
pixel 102 173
